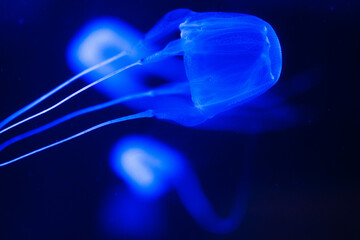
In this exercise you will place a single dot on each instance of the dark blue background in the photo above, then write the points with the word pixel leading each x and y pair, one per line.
pixel 305 182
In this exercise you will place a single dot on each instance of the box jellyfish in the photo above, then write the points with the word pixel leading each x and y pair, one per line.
pixel 229 58
pixel 103 37
pixel 151 168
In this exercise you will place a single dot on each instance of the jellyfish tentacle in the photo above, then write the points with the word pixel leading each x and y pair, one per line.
pixel 169 90
pixel 71 96
pixel 145 114
pixel 173 48
pixel 58 88
pixel 167 25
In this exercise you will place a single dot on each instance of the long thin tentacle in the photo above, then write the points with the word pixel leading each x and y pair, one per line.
pixel 71 96
pixel 146 114
pixel 61 86
pixel 169 90
pixel 68 117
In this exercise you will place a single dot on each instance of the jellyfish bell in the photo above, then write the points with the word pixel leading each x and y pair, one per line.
pixel 229 58
pixel 241 60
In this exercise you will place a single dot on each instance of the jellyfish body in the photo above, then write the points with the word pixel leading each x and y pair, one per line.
pixel 229 58
pixel 151 168
pixel 104 37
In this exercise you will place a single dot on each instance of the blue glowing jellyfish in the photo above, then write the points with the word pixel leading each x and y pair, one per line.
pixel 150 168
pixel 229 58
pixel 103 37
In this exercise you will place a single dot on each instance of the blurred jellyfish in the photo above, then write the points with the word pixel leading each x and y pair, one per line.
pixel 103 38
pixel 150 168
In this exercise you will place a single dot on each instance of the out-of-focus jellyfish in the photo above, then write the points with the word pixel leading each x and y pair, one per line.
pixel 103 38
pixel 150 168
pixel 229 58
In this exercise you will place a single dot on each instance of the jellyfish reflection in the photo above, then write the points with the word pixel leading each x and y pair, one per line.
pixel 151 168
pixel 229 58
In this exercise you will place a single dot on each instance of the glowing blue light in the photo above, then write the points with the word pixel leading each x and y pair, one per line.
pixel 150 168
pixel 103 38
pixel 99 40
pixel 147 165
